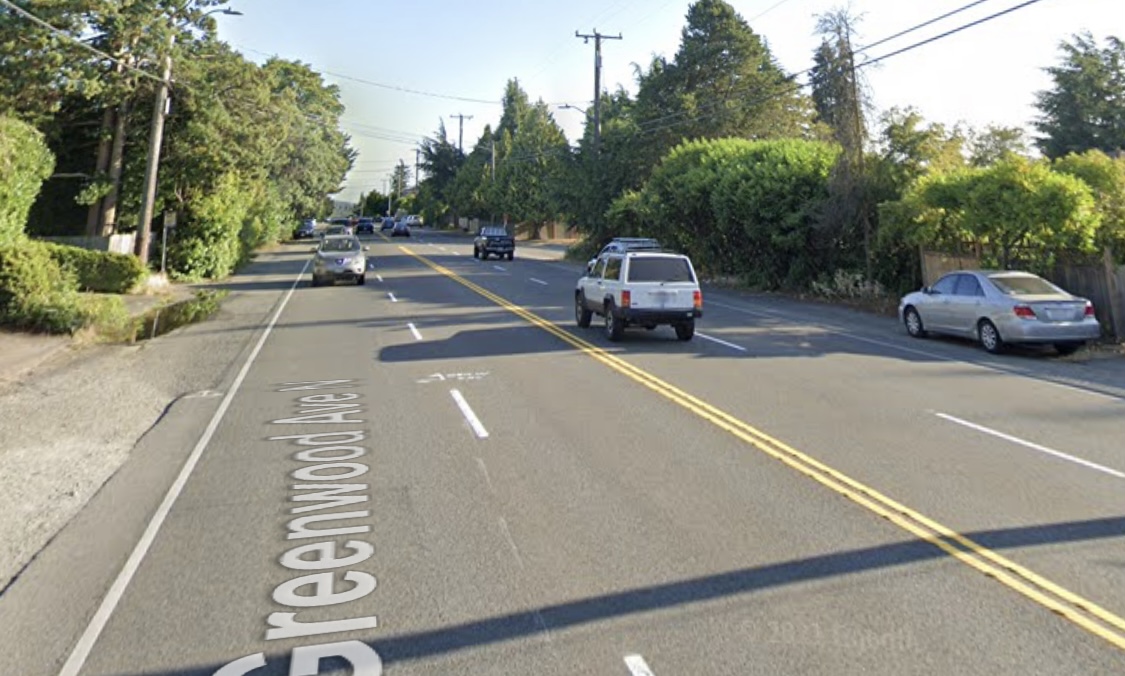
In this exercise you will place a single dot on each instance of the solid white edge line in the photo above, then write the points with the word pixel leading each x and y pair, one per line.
pixel 414 330
pixel 721 342
pixel 1032 445
pixel 471 417
pixel 97 623
pixel 638 666
pixel 539 281
pixel 391 295
pixel 923 353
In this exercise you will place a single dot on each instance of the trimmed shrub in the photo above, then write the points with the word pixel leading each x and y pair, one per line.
pixel 36 293
pixel 25 162
pixel 99 271
pixel 208 245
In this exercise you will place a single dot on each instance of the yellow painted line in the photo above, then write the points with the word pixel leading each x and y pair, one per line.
pixel 1075 608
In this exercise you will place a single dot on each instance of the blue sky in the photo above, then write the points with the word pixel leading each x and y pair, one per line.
pixel 985 75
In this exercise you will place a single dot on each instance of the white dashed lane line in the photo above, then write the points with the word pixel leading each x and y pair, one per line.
pixel 414 330
pixel 467 411
pixel 497 267
pixel 638 666
pixel 539 281
pixel 1032 445
pixel 721 342
pixel 392 297
pixel 380 278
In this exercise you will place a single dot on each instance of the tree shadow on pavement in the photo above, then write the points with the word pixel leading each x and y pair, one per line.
pixel 683 593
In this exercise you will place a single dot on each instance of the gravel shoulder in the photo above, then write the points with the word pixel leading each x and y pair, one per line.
pixel 69 425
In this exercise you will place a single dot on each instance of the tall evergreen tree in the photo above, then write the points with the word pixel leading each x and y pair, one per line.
pixel 723 82
pixel 1085 109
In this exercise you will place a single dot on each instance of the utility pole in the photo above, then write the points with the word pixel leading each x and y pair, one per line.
pixel 417 154
pixel 461 130
pixel 152 165
pixel 597 37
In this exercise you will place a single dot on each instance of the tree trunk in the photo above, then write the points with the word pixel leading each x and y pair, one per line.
pixel 109 203
pixel 94 213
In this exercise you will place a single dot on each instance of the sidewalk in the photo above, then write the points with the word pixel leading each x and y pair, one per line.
pixel 22 353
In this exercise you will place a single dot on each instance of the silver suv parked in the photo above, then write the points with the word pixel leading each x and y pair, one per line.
pixel 639 288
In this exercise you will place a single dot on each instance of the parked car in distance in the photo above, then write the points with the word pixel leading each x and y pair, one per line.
pixel 1000 307
pixel 365 226
pixel 640 288
pixel 623 244
pixel 400 229
pixel 388 223
pixel 494 240
pixel 340 257
pixel 414 221
pixel 306 230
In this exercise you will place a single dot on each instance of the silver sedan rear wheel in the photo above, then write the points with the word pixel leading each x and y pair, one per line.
pixel 990 337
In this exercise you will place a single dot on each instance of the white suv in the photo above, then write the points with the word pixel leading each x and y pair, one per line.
pixel 639 288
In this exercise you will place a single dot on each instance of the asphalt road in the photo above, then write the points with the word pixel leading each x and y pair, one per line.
pixel 439 473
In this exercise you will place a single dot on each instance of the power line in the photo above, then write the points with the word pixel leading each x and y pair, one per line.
pixel 767 11
pixel 383 85
pixel 948 33
pixel 654 125
pixel 924 24
pixel 649 128
pixel 57 31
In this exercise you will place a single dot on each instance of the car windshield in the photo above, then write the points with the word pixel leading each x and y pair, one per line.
pixel 340 245
pixel 660 270
pixel 1020 285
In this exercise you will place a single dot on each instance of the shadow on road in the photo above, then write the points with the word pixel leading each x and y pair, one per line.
pixel 683 593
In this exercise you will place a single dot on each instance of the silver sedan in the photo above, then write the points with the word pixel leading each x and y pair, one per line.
pixel 340 257
pixel 1000 307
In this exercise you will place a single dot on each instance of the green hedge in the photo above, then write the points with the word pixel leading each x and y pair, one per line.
pixel 738 207
pixel 36 293
pixel 99 271
pixel 25 162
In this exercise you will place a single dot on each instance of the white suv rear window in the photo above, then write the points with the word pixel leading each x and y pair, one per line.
pixel 660 270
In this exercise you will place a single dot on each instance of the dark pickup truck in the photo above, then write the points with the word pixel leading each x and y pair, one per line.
pixel 494 241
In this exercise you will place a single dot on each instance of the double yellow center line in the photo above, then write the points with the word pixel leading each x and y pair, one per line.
pixel 1075 608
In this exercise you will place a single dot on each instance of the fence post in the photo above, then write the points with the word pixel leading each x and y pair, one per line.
pixel 1116 295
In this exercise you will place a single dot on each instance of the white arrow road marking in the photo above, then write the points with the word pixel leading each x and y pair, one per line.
pixel 1033 446
pixel 414 330
pixel 539 281
pixel 471 417
pixel 638 666
pixel 721 342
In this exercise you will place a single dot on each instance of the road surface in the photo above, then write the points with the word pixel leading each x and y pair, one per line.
pixel 439 473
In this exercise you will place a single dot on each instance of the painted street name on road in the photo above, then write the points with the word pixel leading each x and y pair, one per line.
pixel 327 459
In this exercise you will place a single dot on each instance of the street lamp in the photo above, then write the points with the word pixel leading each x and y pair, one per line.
pixel 155 140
